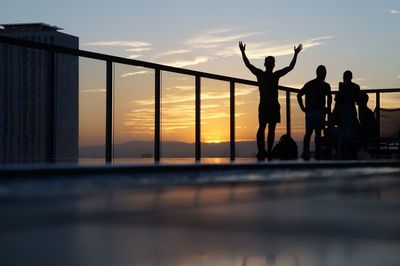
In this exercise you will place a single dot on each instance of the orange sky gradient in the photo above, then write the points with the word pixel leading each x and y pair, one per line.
pixel 134 107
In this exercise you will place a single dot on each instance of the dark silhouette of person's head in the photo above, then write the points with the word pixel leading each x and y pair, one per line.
pixel 269 63
pixel 321 72
pixel 347 76
pixel 362 99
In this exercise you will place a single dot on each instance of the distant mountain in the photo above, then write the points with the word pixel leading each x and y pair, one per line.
pixel 171 149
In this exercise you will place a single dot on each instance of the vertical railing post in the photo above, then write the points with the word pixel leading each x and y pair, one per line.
pixel 232 124
pixel 157 115
pixel 197 119
pixel 109 99
pixel 378 112
pixel 288 128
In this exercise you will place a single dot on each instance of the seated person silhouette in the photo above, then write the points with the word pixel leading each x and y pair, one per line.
pixel 368 128
pixel 316 92
pixel 269 107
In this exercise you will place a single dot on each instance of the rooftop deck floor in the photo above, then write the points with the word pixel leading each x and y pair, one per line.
pixel 279 213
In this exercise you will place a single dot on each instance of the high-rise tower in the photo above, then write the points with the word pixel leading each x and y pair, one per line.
pixel 38 97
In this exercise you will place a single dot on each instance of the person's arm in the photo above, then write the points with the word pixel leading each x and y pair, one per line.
pixel 341 85
pixel 329 103
pixel 357 93
pixel 300 98
pixel 289 68
pixel 246 61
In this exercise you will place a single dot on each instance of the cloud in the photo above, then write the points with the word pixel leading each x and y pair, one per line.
pixel 93 91
pixel 193 52
pixel 176 78
pixel 393 11
pixel 187 62
pixel 180 58
pixel 166 100
pixel 214 38
pixel 175 52
pixel 182 88
pixel 178 111
pixel 174 118
pixel 138 49
pixel 172 98
pixel 261 50
pixel 134 56
pixel 134 73
pixel 143 102
pixel 221 30
pixel 119 43
pixel 127 46
pixel 223 43
pixel 214 115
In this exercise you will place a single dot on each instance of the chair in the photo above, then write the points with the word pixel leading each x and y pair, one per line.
pixel 387 145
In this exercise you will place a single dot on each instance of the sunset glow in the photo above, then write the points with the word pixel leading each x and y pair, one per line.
pixel 183 36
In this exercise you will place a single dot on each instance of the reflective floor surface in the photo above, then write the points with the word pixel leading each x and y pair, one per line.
pixel 345 216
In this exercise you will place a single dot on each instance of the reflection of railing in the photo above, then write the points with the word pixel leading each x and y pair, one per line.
pixel 110 60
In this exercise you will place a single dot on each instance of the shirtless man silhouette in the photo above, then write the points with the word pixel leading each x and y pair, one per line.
pixel 318 104
pixel 269 107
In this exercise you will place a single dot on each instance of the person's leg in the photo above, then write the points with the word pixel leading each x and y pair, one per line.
pixel 319 126
pixel 261 139
pixel 306 144
pixel 307 137
pixel 271 136
pixel 317 144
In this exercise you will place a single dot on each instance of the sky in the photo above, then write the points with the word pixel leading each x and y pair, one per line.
pixel 362 36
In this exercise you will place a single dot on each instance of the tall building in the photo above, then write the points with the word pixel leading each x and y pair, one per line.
pixel 38 97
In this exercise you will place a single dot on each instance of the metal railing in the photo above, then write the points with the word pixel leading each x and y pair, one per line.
pixel 158 68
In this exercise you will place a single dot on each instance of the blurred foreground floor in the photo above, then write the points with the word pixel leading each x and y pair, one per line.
pixel 307 216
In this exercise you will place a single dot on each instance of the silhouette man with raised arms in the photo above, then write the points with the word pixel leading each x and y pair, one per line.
pixel 316 91
pixel 269 107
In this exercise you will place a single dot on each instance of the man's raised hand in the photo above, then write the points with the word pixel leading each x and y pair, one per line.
pixel 242 46
pixel 298 48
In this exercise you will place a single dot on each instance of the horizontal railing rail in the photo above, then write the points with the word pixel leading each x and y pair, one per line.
pixel 126 61
pixel 110 60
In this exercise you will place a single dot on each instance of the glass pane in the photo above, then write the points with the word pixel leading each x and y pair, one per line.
pixel 389 100
pixel 177 116
pixel 215 119
pixel 389 119
pixel 246 120
pixel 133 114
pixel 281 127
pixel 297 123
pixel 92 111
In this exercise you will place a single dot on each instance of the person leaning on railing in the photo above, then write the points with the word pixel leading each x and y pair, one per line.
pixel 318 98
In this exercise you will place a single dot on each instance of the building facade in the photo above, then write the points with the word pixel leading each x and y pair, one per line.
pixel 38 97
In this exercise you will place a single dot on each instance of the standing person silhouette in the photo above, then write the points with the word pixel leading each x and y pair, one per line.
pixel 348 95
pixel 269 108
pixel 315 91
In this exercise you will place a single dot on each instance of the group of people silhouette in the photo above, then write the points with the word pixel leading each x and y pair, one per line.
pixel 342 122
